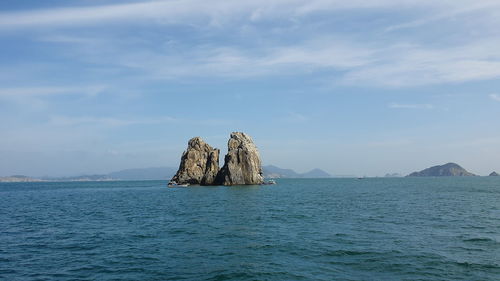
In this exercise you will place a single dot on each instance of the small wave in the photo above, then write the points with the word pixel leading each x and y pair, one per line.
pixel 231 276
pixel 339 253
pixel 480 239
pixel 477 265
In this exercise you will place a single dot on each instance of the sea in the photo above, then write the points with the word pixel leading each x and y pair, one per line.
pixel 298 229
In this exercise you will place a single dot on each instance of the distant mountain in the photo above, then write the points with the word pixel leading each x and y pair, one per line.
pixel 19 178
pixel 271 171
pixel 393 175
pixel 79 178
pixel 159 173
pixel 446 170
pixel 316 173
pixel 494 174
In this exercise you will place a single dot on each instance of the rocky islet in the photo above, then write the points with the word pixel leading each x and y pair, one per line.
pixel 200 163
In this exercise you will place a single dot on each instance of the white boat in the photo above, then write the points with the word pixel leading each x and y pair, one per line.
pixel 175 184
pixel 269 182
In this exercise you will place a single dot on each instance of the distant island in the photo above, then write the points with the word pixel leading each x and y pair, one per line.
pixel 273 172
pixel 19 178
pixel 446 170
pixel 268 172
pixel 156 173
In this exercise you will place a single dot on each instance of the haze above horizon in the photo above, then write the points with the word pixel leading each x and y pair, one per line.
pixel 351 87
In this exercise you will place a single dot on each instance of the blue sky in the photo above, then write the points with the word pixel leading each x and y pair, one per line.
pixel 352 87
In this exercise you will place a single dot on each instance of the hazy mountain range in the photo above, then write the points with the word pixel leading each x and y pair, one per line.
pixel 271 171
pixel 163 173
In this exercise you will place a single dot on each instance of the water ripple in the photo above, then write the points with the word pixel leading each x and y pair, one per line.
pixel 335 229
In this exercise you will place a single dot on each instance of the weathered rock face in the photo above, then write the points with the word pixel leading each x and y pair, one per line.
pixel 212 168
pixel 199 164
pixel 242 164
pixel 494 174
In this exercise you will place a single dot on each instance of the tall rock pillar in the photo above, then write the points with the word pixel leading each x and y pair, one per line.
pixel 242 164
pixel 199 164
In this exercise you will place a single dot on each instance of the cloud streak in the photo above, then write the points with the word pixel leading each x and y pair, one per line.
pixel 109 122
pixel 410 106
pixel 495 97
pixel 352 61
pixel 18 92
pixel 217 11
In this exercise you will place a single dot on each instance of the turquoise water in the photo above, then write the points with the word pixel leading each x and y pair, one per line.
pixel 300 229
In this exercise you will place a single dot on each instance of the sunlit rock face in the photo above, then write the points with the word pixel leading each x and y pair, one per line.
pixel 199 164
pixel 242 164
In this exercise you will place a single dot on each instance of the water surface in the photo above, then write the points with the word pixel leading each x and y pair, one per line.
pixel 299 229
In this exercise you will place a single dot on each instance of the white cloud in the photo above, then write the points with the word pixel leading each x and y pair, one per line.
pixel 410 106
pixel 409 65
pixel 37 98
pixel 17 92
pixel 295 117
pixel 352 61
pixel 106 121
pixel 495 97
pixel 446 10
pixel 215 12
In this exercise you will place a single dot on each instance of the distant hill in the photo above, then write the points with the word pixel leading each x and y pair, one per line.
pixel 19 178
pixel 271 171
pixel 82 178
pixel 494 174
pixel 316 173
pixel 393 175
pixel 446 170
pixel 158 173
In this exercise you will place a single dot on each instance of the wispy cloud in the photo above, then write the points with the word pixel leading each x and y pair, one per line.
pixel 216 12
pixel 18 92
pixel 295 117
pixel 38 98
pixel 495 97
pixel 351 60
pixel 396 65
pixel 443 10
pixel 98 122
pixel 409 65
pixel 410 106
pixel 107 121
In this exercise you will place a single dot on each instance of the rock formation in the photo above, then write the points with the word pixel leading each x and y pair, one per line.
pixel 242 164
pixel 199 164
pixel 494 174
pixel 446 170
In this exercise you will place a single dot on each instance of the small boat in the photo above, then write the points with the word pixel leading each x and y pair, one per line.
pixel 175 184
pixel 269 182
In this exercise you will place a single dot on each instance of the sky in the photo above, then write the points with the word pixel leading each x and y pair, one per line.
pixel 359 87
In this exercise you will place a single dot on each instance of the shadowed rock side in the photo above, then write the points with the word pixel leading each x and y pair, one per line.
pixel 199 164
pixel 494 174
pixel 446 170
pixel 242 164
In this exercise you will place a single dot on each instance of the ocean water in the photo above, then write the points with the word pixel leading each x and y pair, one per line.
pixel 299 229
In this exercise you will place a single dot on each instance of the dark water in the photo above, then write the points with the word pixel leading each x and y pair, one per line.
pixel 332 229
